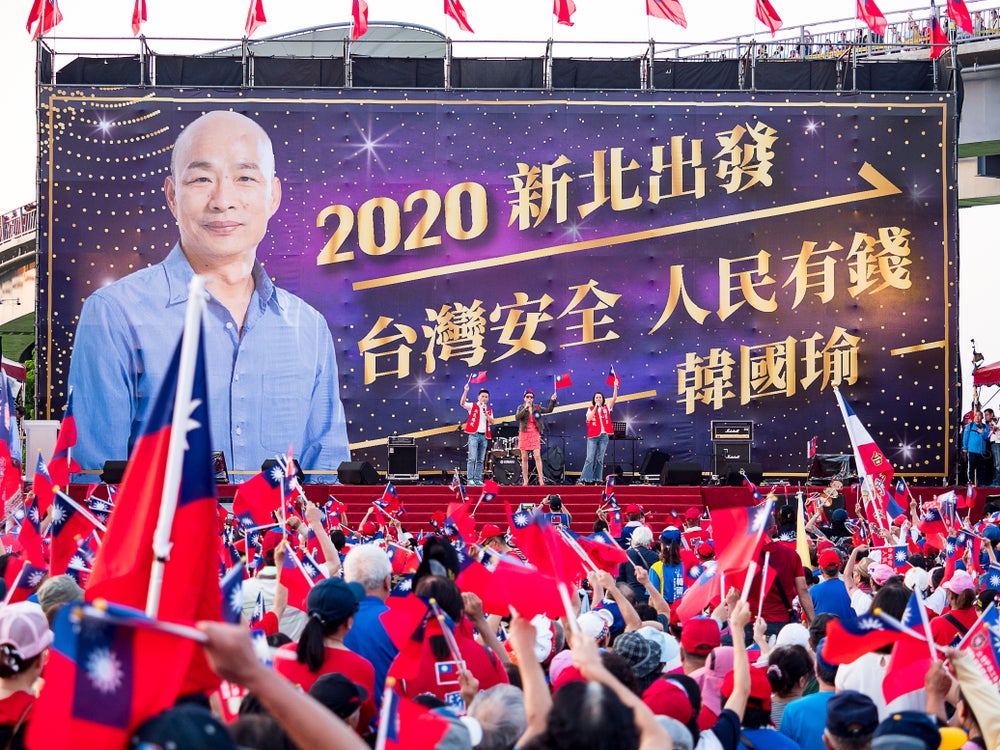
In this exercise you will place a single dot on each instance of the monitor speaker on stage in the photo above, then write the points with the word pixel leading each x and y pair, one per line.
pixel 678 473
pixel 733 478
pixel 653 463
pixel 357 472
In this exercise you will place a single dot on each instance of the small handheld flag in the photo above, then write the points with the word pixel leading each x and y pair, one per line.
pixel 480 377
pixel 613 380
pixel 563 381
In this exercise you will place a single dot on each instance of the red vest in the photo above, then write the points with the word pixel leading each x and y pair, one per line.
pixel 472 424
pixel 602 423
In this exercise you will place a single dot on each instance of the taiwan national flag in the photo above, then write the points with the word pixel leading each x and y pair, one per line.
pixel 61 465
pixel 938 37
pixel 544 547
pixel 231 586
pixel 258 498
pixel 300 578
pixel 670 10
pixel 106 673
pixel 958 12
pixel 22 579
pixel 503 582
pixel 738 534
pixel 613 381
pixel 480 377
pixel 704 591
pixel 400 717
pixel 122 570
pixel 70 524
pixel 563 381
pixel 848 640
pixel 869 13
pixel 389 502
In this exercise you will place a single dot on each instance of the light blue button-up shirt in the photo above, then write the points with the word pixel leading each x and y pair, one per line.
pixel 274 386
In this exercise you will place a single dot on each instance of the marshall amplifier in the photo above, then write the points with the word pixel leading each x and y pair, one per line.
pixel 732 430
pixel 402 460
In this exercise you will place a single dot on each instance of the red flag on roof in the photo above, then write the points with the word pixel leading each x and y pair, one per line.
pixel 255 16
pixel 768 16
pixel 454 9
pixel 958 12
pixel 47 16
pixel 869 13
pixel 939 39
pixel 671 10
pixel 563 11
pixel 138 16
pixel 359 15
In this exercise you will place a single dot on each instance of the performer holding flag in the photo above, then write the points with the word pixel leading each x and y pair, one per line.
pixel 531 426
pixel 599 431
pixel 479 429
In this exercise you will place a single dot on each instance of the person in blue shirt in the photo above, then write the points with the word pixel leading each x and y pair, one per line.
pixel 975 446
pixel 830 594
pixel 272 371
pixel 804 719
pixel 369 566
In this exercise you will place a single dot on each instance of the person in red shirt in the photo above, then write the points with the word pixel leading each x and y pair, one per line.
pixel 790 582
pixel 331 606
pixel 479 429
pixel 439 672
pixel 599 431
pixel 948 628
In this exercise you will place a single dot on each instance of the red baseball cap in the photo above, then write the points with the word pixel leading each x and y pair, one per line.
pixel 667 698
pixel 700 635
pixel 760 688
pixel 829 559
pixel 705 550
pixel 633 508
pixel 489 531
pixel 692 514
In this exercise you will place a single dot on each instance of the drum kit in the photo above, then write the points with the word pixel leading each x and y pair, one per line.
pixel 505 461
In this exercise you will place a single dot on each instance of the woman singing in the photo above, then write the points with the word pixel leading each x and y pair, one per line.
pixel 599 429
pixel 530 427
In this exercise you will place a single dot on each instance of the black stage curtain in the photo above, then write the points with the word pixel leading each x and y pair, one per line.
pixel 469 73
pixel 398 72
pixel 175 70
pixel 568 73
pixel 97 71
pixel 327 72
pixel 683 75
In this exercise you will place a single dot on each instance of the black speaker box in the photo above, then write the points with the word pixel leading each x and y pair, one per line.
pixel 677 473
pixel 507 470
pixel 653 462
pixel 357 472
pixel 753 470
pixel 555 464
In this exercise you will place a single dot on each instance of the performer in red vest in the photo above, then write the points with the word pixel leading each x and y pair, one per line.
pixel 478 426
pixel 599 430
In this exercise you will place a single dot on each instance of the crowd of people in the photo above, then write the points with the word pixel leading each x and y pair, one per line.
pixel 628 663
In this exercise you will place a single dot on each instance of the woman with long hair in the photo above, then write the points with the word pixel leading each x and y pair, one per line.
pixel 599 431
pixel 331 606
pixel 530 428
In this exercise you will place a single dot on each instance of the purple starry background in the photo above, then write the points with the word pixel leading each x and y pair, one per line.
pixel 108 155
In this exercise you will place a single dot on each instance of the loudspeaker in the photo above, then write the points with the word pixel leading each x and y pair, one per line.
pixel 113 472
pixel 653 462
pixel 733 478
pixel 403 462
pixel 357 472
pixel 507 470
pixel 677 473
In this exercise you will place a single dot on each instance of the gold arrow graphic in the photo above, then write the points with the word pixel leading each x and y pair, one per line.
pixel 880 187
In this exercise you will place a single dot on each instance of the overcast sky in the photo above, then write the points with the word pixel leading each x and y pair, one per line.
pixel 596 20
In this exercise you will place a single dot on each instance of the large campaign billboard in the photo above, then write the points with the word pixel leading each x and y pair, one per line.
pixel 731 255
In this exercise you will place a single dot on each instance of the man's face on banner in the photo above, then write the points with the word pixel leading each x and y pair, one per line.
pixel 224 190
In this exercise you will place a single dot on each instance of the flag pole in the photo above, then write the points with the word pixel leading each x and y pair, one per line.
pixel 384 714
pixel 190 341
pixel 763 580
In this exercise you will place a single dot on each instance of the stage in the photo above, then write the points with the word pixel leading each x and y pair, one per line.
pixel 421 500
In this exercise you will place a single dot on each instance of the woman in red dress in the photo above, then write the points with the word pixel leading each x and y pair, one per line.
pixel 531 426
